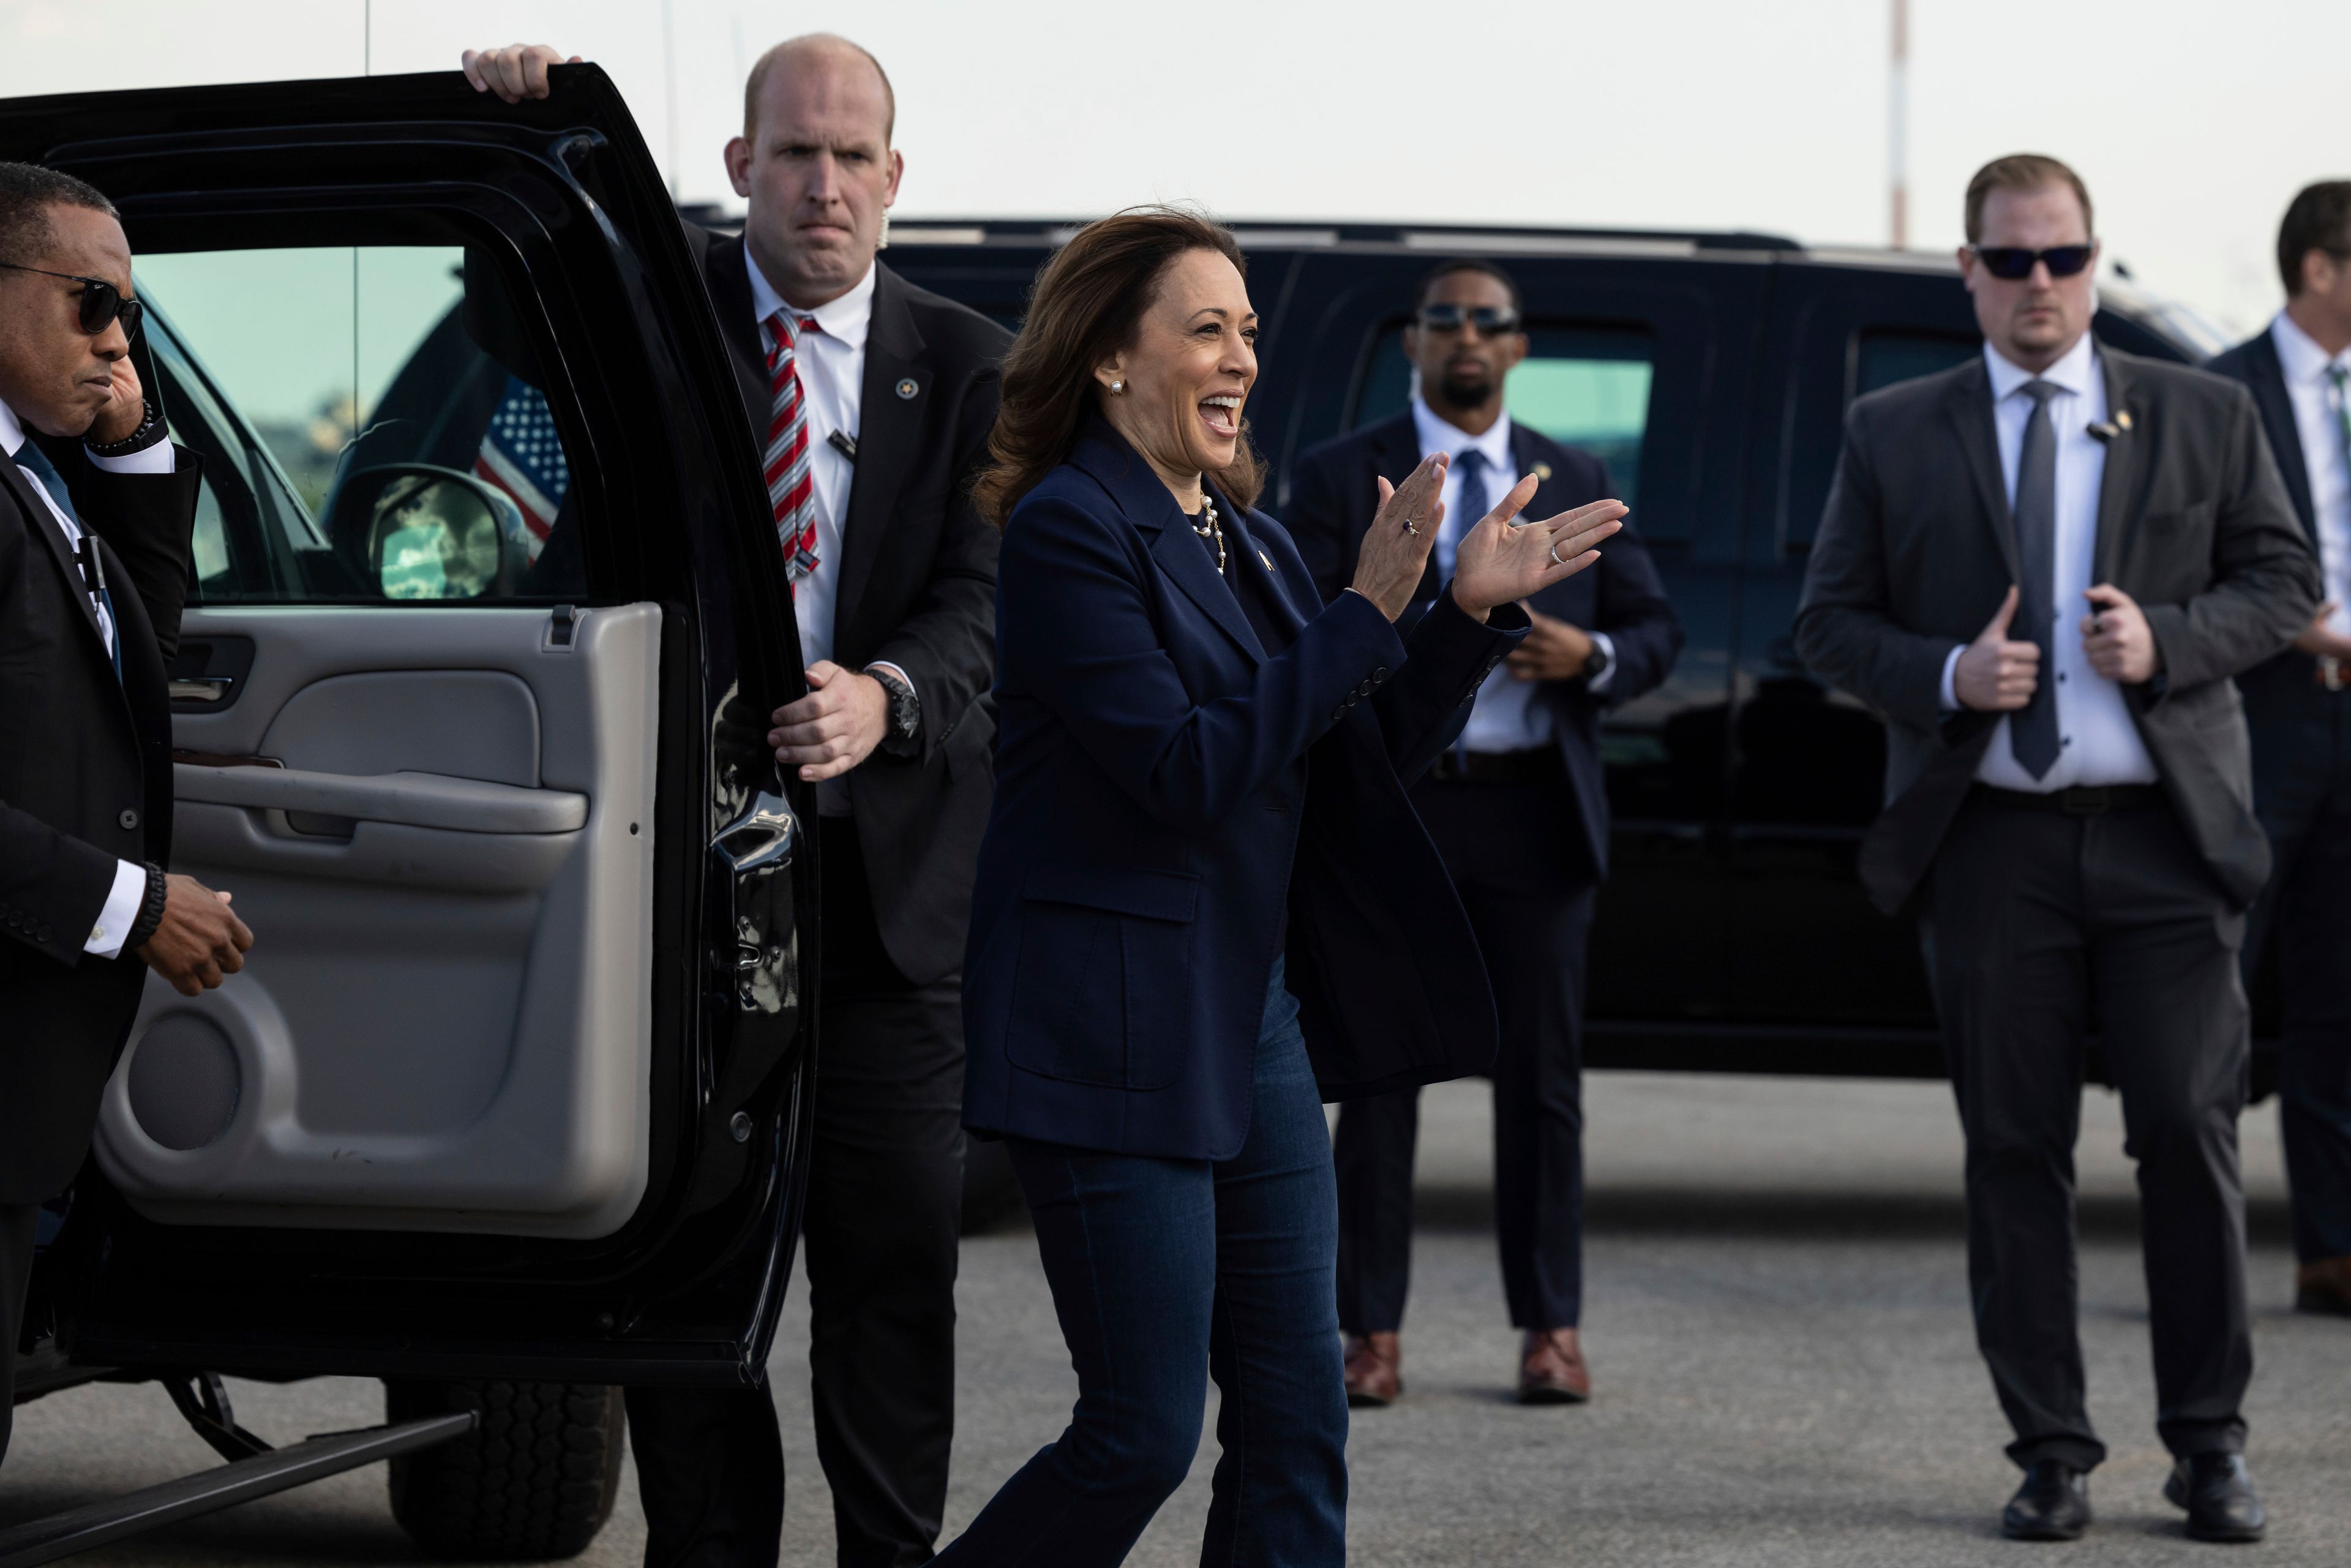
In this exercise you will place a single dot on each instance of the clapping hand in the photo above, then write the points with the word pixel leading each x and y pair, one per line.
pixel 1396 547
pixel 1499 562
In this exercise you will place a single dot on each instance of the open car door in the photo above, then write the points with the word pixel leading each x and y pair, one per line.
pixel 470 710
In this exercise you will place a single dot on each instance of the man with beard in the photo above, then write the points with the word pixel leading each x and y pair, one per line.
pixel 1519 811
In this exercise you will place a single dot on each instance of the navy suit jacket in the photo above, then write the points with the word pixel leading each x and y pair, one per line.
pixel 2281 693
pixel 1174 801
pixel 1335 492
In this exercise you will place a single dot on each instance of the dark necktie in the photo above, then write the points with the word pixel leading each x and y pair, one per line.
pixel 1471 505
pixel 36 462
pixel 2032 731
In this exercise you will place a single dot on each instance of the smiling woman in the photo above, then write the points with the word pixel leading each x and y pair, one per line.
pixel 1184 937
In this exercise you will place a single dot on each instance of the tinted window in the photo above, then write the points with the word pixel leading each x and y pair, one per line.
pixel 1584 387
pixel 1881 358
pixel 372 426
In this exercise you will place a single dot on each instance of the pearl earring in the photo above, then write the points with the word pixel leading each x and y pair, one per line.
pixel 1118 386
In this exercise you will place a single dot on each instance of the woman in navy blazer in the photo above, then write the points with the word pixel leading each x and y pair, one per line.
pixel 1202 891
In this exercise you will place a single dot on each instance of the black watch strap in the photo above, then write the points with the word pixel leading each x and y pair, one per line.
pixel 151 431
pixel 905 707
pixel 151 913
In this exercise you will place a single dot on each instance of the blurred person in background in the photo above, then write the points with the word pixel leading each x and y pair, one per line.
pixel 2299 707
pixel 96 509
pixel 1519 809
pixel 1205 903
pixel 870 401
pixel 2042 567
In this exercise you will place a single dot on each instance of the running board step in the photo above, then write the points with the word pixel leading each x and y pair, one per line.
pixel 208 1492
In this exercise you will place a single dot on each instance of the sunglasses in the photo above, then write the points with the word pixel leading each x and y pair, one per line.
pixel 2014 262
pixel 102 304
pixel 1489 320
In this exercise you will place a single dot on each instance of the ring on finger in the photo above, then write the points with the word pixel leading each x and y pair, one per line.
pixel 1412 527
pixel 1553 553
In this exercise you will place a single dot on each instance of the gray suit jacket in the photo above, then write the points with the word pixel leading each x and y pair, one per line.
pixel 1916 550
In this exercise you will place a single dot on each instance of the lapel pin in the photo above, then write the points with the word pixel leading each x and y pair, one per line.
pixel 907 388
pixel 1541 471
pixel 1266 559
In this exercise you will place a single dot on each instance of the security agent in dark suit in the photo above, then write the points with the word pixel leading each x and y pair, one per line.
pixel 2299 707
pixel 2042 567
pixel 96 506
pixel 872 401
pixel 1520 811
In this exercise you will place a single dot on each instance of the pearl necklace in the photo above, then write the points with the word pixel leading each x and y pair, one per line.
pixel 1211 529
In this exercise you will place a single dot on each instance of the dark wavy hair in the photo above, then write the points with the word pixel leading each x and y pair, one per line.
pixel 1087 306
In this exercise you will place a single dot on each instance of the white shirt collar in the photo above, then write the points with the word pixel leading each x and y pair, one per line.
pixel 845 319
pixel 1439 434
pixel 2073 374
pixel 2299 355
pixel 12 433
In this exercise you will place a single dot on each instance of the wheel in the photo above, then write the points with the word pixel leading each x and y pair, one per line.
pixel 535 1481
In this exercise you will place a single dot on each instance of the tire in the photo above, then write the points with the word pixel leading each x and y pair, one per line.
pixel 534 1482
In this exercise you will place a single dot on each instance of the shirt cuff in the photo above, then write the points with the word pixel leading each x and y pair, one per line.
pixel 160 459
pixel 1949 696
pixel 120 911
pixel 902 675
pixel 1607 646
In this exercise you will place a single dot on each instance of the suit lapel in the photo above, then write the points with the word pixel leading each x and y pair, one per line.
pixel 1969 408
pixel 1257 568
pixel 727 273
pixel 2268 382
pixel 889 428
pixel 42 521
pixel 2117 486
pixel 1147 503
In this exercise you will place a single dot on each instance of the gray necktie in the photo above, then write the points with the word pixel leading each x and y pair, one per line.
pixel 2032 731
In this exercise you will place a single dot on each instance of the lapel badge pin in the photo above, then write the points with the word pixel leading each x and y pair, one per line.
pixel 907 388
pixel 1267 558
pixel 1541 471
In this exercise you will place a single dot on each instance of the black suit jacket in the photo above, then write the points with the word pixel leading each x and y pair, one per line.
pixel 2280 694
pixel 1916 550
pixel 917 587
pixel 1335 491
pixel 85 781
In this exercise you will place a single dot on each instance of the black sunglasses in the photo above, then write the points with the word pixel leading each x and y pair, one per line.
pixel 1489 320
pixel 102 304
pixel 2012 262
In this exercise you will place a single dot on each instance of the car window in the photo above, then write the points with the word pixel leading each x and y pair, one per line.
pixel 1881 358
pixel 1585 387
pixel 372 423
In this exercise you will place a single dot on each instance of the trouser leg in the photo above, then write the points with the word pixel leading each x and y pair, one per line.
pixel 880 1232
pixel 710 1473
pixel 2005 948
pixel 2312 932
pixel 1281 1488
pixel 2164 965
pixel 18 1223
pixel 1373 1152
pixel 1129 1249
pixel 1532 938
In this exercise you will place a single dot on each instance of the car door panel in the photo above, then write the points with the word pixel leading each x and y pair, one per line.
pixel 445 1026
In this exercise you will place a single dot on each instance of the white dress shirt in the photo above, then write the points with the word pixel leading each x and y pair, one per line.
pixel 120 911
pixel 1510 713
pixel 831 363
pixel 2318 420
pixel 2098 742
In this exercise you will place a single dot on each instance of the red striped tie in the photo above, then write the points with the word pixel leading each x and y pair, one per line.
pixel 791 485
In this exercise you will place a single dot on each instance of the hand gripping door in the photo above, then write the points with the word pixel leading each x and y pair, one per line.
pixel 470 686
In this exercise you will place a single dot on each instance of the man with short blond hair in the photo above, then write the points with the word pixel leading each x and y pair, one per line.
pixel 2042 567
pixel 870 401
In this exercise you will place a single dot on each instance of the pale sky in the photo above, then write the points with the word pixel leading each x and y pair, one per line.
pixel 2193 123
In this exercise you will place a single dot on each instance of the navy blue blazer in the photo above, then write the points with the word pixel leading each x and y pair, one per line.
pixel 1173 798
pixel 1335 491
pixel 2281 692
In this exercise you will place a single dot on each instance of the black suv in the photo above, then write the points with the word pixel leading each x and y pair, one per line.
pixel 1712 372
pixel 469 710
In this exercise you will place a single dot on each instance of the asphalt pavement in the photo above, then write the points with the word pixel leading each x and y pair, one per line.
pixel 1777 1323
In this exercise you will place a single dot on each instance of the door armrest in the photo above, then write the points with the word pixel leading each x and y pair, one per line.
pixel 416 799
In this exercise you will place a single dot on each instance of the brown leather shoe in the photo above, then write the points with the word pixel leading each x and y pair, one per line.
pixel 2324 1287
pixel 1375 1370
pixel 1552 1369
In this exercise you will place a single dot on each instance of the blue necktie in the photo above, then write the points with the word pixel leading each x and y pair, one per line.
pixel 1472 505
pixel 34 461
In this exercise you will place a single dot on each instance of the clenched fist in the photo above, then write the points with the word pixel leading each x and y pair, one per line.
pixel 1997 673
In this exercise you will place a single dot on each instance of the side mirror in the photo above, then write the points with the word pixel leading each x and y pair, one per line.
pixel 422 532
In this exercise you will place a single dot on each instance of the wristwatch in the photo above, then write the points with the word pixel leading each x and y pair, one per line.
pixel 149 431
pixel 905 707
pixel 1596 663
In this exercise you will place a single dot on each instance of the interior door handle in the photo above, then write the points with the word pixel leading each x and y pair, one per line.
pixel 761 838
pixel 199 688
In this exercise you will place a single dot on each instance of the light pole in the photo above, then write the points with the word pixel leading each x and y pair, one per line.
pixel 1898 128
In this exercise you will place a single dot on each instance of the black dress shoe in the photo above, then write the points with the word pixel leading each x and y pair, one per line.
pixel 2053 1504
pixel 2217 1490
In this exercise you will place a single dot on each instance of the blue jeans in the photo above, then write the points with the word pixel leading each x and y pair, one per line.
pixel 1164 1272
